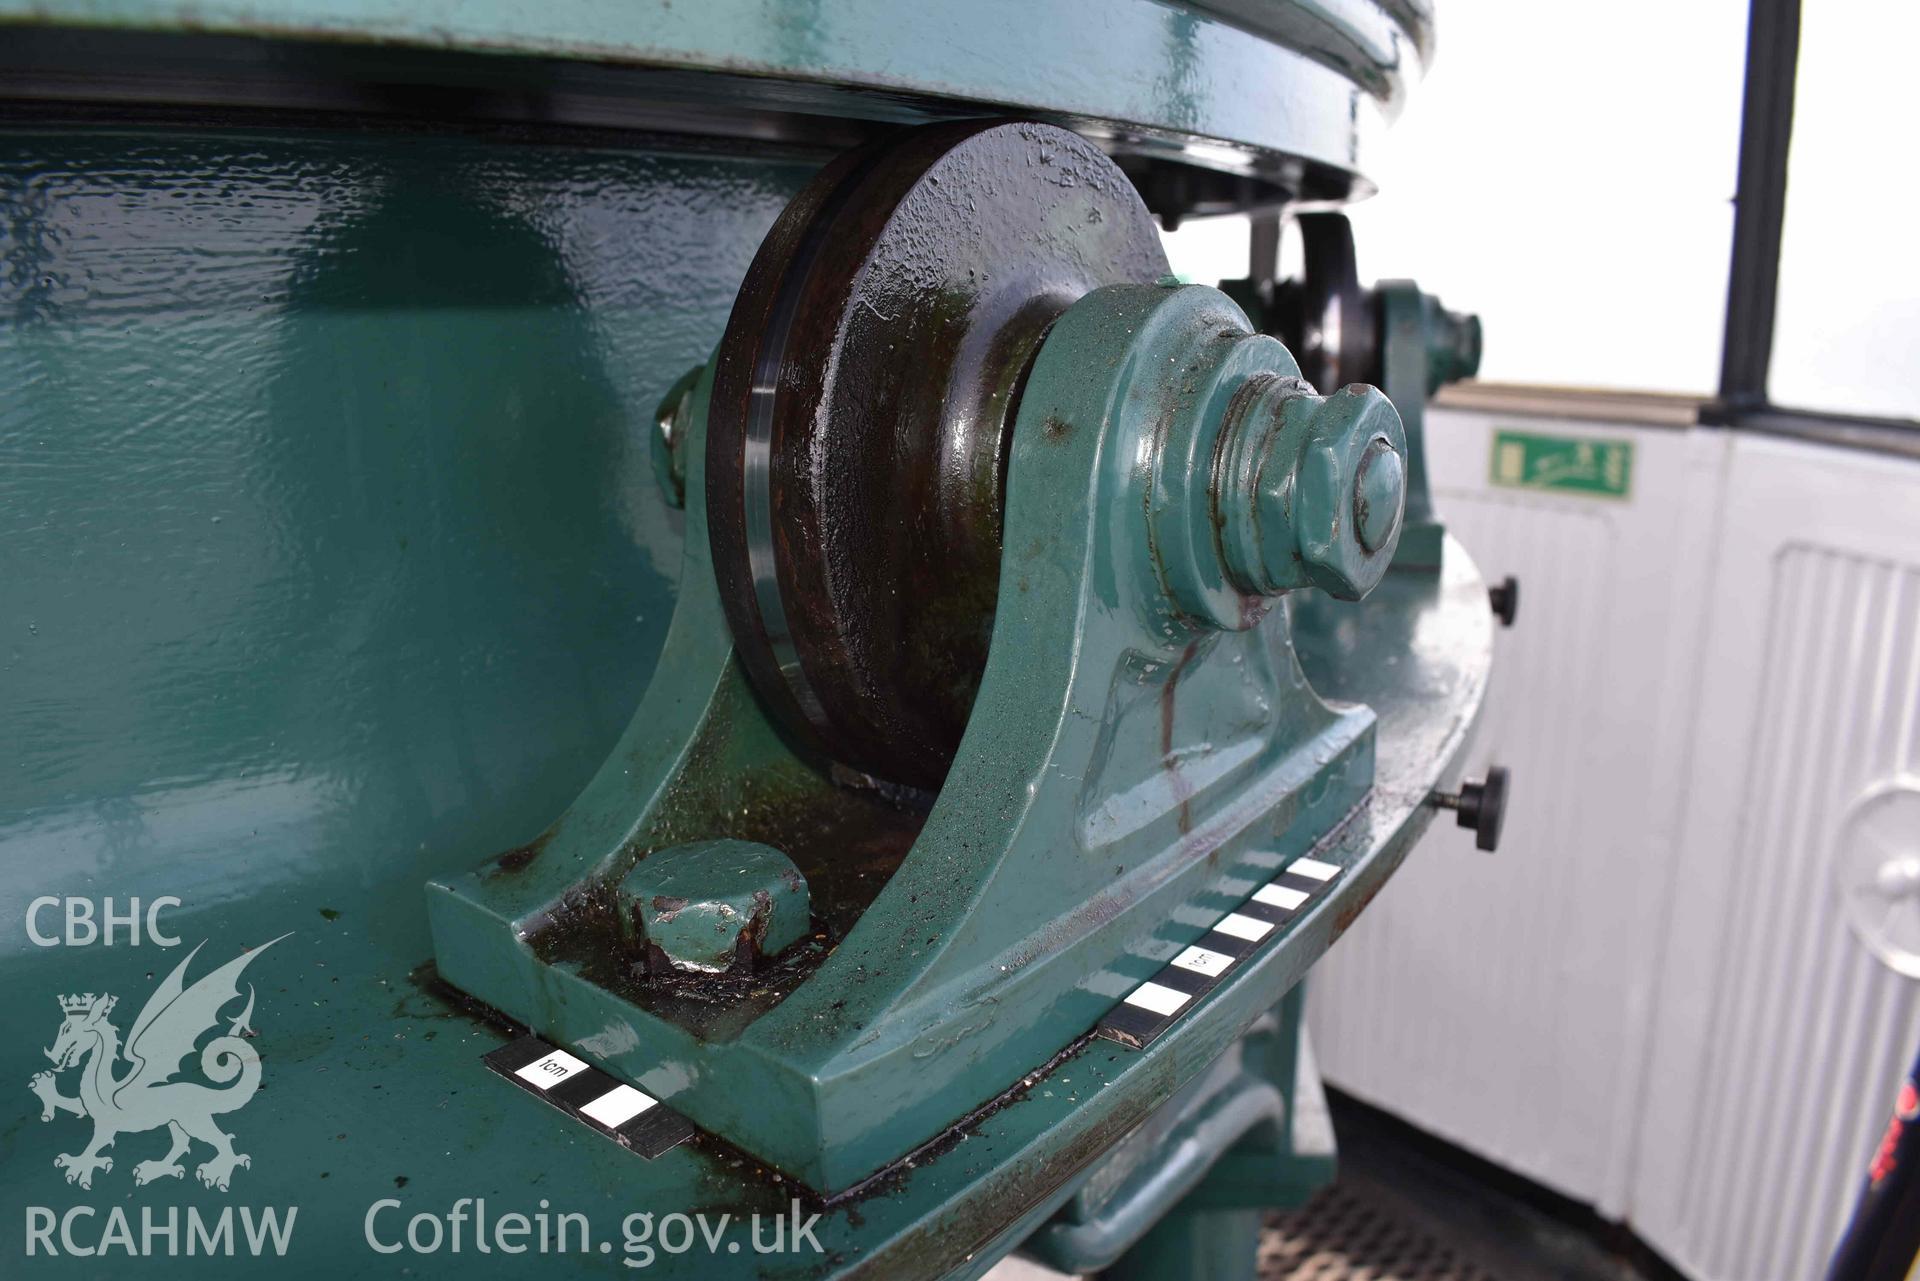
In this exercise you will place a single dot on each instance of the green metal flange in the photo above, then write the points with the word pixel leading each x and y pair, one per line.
pixel 1123 761
pixel 1423 346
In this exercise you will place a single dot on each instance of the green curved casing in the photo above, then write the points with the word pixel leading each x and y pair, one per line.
pixel 1291 91
pixel 335 564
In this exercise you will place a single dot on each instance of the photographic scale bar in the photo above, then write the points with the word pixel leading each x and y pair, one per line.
pixel 632 1118
pixel 1153 1007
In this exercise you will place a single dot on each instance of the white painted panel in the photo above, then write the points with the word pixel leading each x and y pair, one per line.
pixel 1649 999
pixel 1495 999
pixel 1778 1039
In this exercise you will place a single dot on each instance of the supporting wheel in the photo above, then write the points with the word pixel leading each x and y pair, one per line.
pixel 863 395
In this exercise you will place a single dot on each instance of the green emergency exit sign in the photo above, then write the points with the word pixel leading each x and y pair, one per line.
pixel 1567 464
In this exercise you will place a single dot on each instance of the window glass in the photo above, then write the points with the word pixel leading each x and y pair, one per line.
pixel 1208 250
pixel 1846 335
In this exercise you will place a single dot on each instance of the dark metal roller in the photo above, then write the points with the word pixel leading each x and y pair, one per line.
pixel 862 400
pixel 1329 323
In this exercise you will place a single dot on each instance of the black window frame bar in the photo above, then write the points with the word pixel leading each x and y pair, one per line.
pixel 1753 275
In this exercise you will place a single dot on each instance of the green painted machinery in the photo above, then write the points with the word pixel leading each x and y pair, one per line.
pixel 763 654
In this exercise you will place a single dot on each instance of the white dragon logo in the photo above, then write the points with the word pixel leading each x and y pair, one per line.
pixel 145 1097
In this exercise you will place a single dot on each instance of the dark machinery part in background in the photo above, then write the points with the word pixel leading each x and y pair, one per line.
pixel 1059 657
pixel 1391 335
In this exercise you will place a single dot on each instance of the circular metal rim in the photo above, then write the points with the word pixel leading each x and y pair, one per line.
pixel 759 612
pixel 855 472
pixel 1293 94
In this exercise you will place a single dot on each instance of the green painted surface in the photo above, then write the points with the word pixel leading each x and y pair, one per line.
pixel 335 562
pixel 1598 467
pixel 369 1082
pixel 1423 347
pixel 1220 1245
pixel 325 487
pixel 333 559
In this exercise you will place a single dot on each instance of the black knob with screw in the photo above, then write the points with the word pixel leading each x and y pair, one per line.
pixel 1504 596
pixel 1481 807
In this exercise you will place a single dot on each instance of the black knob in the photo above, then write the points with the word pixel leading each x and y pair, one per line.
pixel 1481 807
pixel 1505 599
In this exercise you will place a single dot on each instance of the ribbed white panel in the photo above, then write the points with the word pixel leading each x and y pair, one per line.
pixel 1649 999
pixel 1464 974
pixel 1779 1039
pixel 1495 999
pixel 1804 1017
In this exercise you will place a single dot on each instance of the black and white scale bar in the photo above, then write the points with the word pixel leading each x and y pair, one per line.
pixel 632 1118
pixel 1153 1007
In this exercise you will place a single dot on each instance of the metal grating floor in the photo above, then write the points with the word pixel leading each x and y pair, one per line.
pixel 1344 1235
pixel 1409 1207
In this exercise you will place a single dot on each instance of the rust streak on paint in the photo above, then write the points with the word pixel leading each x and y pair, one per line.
pixel 1169 693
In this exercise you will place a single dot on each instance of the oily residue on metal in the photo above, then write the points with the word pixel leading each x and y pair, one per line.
pixel 1011 1190
pixel 520 857
pixel 736 1181
pixel 1350 911
pixel 583 934
pixel 453 1003
pixel 846 841
pixel 1368 880
pixel 748 945
pixel 891 1177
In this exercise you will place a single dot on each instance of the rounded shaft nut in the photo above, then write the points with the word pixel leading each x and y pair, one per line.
pixel 1246 483
pixel 1313 490
pixel 1350 488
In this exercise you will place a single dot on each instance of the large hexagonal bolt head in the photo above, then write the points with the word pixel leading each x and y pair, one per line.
pixel 1313 488
pixel 711 907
